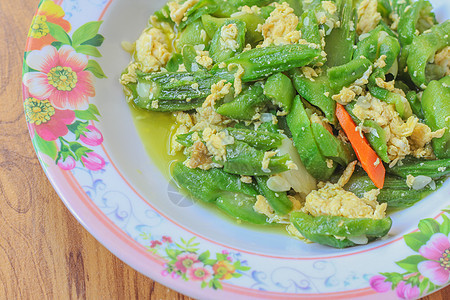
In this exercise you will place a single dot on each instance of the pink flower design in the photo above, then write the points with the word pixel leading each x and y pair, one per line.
pixel 407 291
pixel 199 272
pixel 155 243
pixel 186 261
pixel 56 126
pixel 437 251
pixel 60 78
pixel 167 239
pixel 93 137
pixel 379 284
pixel 93 161
pixel 68 164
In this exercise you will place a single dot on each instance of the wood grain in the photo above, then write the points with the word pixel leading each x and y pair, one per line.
pixel 44 252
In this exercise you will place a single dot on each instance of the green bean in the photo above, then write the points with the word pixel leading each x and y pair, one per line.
pixel 436 108
pixel 203 7
pixel 208 185
pixel 344 75
pixel 241 208
pixel 310 27
pixel 189 59
pixel 303 138
pixel 331 147
pixel 174 62
pixel 184 90
pixel 259 63
pixel 422 50
pixel 277 200
pixel 220 51
pixel 243 159
pixel 246 104
pixel 339 43
pixel 338 231
pixel 191 35
pixel 431 168
pixel 227 191
pixel 379 43
pixel 261 140
pixel 401 103
pixel 396 193
pixel 415 104
pixel 316 91
pixel 252 36
pixel 279 89
pixel 377 139
pixel 409 21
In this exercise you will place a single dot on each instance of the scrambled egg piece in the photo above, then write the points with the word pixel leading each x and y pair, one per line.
pixel 280 27
pixel 266 160
pixel 177 10
pixel 442 58
pixel 203 59
pixel 237 77
pixel 184 121
pixel 174 145
pixel 410 180
pixel 246 179
pixel 263 207
pixel 218 91
pixel 309 73
pixel 395 19
pixel 200 157
pixel 251 10
pixel 345 96
pixel 365 78
pixel 368 16
pixel 152 50
pixel 292 230
pixel 208 117
pixel 228 35
pixel 423 135
pixel 130 75
pixel 380 63
pixel 333 200
pixel 385 85
pixel 329 7
pixel 403 138
pixel 217 142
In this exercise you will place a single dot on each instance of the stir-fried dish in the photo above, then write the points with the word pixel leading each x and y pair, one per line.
pixel 321 115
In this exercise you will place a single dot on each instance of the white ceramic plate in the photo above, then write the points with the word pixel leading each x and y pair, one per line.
pixel 85 138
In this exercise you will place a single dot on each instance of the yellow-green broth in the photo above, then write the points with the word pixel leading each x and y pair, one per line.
pixel 155 129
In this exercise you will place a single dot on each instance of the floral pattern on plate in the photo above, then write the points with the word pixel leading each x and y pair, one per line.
pixel 184 260
pixel 426 271
pixel 58 80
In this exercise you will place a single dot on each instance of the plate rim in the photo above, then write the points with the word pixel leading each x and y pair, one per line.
pixel 86 216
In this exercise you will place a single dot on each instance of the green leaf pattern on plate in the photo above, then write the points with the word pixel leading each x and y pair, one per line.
pixel 425 271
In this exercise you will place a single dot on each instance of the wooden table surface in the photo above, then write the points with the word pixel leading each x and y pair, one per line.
pixel 44 252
